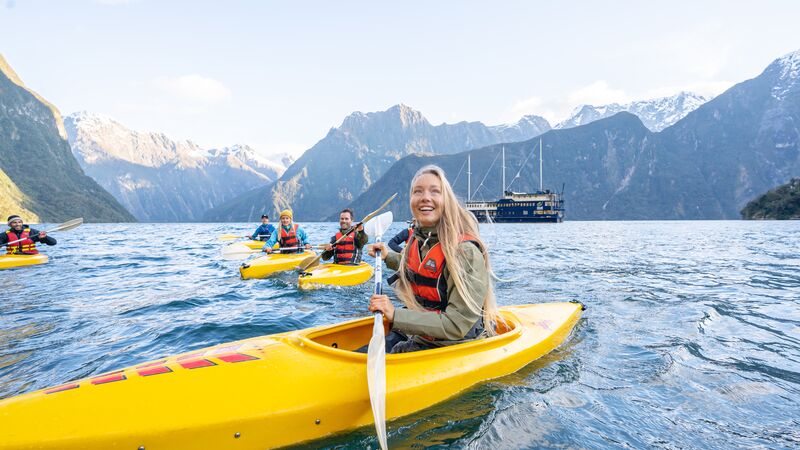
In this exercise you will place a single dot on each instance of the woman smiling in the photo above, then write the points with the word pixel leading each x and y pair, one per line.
pixel 445 283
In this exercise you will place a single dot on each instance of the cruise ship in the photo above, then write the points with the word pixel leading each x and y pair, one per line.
pixel 515 207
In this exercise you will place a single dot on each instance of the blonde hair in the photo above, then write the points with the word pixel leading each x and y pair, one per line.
pixel 455 222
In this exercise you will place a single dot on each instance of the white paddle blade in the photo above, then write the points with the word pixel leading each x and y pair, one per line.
pixel 377 226
pixel 237 251
pixel 68 225
pixel 376 378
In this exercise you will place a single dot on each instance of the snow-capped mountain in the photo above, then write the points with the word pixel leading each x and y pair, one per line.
pixel 656 114
pixel 159 179
pixel 351 157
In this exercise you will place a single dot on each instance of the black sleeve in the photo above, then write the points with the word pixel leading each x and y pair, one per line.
pixel 3 238
pixel 34 235
pixel 398 239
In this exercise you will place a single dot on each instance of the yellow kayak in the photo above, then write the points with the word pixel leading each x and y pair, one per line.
pixel 269 391
pixel 335 275
pixel 11 261
pixel 267 265
pixel 255 245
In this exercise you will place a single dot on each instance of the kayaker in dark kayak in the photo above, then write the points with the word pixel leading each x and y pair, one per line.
pixel 445 283
pixel 348 250
pixel 289 236
pixel 264 231
pixel 18 230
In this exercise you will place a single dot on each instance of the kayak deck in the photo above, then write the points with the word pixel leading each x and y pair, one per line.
pixel 12 261
pixel 269 391
pixel 267 265
pixel 335 275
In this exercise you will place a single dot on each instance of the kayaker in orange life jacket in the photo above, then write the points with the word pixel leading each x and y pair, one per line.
pixel 18 230
pixel 445 278
pixel 289 236
pixel 348 250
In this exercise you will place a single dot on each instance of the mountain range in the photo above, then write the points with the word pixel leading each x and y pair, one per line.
pixel 39 177
pixel 351 157
pixel 707 165
pixel 162 180
pixel 656 114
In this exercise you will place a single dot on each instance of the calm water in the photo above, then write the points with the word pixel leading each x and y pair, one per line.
pixel 691 338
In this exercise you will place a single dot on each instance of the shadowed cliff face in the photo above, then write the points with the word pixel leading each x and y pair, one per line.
pixel 706 166
pixel 352 157
pixel 40 176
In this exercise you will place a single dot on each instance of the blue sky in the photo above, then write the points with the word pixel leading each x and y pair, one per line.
pixel 277 76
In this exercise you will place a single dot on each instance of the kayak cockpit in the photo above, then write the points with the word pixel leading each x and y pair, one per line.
pixel 350 336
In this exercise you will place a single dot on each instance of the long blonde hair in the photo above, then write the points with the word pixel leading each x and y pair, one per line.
pixel 455 222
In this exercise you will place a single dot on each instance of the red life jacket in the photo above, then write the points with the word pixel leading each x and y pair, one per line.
pixel 26 247
pixel 426 275
pixel 345 251
pixel 289 238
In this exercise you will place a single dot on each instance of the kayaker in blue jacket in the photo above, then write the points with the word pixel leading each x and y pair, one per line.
pixel 18 230
pixel 399 239
pixel 264 231
pixel 289 236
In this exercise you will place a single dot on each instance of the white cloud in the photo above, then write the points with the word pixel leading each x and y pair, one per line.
pixel 194 89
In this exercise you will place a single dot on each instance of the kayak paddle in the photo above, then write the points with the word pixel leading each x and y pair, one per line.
pixel 376 354
pixel 68 225
pixel 311 261
pixel 233 237
pixel 239 251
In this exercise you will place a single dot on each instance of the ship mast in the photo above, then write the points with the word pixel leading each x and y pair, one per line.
pixel 541 179
pixel 469 178
pixel 503 191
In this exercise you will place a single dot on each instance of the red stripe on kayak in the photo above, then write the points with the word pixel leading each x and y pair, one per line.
pixel 154 371
pixel 236 357
pixel 198 363
pixel 65 387
pixel 109 379
pixel 156 363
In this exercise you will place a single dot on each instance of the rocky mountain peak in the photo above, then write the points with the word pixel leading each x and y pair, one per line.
pixel 788 71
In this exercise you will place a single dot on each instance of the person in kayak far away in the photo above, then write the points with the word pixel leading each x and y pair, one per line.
pixel 348 250
pixel 444 273
pixel 289 236
pixel 18 230
pixel 264 231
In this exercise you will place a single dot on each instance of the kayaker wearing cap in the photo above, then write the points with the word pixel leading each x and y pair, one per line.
pixel 348 250
pixel 264 231
pixel 289 236
pixel 18 230
pixel 445 283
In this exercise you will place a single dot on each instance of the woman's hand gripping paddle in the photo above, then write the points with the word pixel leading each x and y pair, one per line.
pixel 376 354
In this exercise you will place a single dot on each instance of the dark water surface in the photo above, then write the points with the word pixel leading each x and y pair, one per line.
pixel 691 338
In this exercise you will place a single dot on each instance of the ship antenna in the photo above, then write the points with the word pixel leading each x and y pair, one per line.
pixel 503 193
pixel 469 177
pixel 541 179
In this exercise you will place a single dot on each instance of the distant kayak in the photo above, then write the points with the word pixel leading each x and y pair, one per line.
pixel 11 261
pixel 335 275
pixel 255 245
pixel 269 391
pixel 268 265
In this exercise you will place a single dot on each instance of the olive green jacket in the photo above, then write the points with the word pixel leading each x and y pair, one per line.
pixel 452 325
